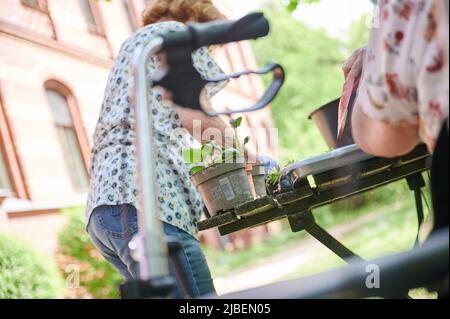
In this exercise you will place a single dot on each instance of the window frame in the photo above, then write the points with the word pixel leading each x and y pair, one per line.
pixel 12 161
pixel 43 9
pixel 99 27
pixel 4 162
pixel 78 126
pixel 42 5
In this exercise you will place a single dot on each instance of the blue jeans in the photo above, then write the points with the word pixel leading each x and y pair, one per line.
pixel 111 229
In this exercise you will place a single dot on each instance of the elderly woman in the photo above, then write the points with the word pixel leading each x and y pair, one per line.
pixel 111 207
pixel 403 97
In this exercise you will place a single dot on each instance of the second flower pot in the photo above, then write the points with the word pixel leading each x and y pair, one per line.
pixel 259 180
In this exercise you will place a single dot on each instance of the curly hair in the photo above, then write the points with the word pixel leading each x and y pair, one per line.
pixel 182 11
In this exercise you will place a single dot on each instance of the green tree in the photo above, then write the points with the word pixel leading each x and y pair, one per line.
pixel 312 60
pixel 359 33
pixel 293 4
pixel 313 63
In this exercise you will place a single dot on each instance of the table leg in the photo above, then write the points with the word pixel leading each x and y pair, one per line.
pixel 416 183
pixel 305 221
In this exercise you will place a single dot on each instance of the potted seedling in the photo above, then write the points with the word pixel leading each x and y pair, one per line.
pixel 221 177
pixel 273 180
pixel 276 182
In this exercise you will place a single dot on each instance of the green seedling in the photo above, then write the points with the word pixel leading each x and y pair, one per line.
pixel 211 153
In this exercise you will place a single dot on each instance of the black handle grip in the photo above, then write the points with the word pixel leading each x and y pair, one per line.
pixel 251 26
pixel 185 82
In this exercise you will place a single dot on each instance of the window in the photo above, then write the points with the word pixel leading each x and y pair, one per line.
pixel 36 4
pixel 12 177
pixel 92 16
pixel 68 138
pixel 5 181
pixel 39 19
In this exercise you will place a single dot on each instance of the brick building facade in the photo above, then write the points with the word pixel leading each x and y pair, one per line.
pixel 55 57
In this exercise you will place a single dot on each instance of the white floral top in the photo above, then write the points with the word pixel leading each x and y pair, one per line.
pixel 406 67
pixel 113 162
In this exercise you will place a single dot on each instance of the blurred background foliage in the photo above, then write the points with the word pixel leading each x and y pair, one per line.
pixel 25 273
pixel 313 63
pixel 293 4
pixel 97 278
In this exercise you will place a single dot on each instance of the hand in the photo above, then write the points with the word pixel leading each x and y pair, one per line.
pixel 353 67
pixel 268 162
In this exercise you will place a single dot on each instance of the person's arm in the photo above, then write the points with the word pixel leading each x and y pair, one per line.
pixel 197 122
pixel 382 139
pixel 201 126
pixel 374 136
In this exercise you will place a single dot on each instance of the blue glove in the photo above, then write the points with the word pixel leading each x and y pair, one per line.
pixel 268 162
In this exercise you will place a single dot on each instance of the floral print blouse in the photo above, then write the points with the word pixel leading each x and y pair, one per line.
pixel 113 161
pixel 405 76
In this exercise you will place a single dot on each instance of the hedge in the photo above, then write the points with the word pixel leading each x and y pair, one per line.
pixel 25 273
pixel 98 279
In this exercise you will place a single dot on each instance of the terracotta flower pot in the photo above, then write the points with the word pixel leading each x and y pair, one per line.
pixel 223 186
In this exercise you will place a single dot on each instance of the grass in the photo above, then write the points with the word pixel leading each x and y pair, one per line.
pixel 223 263
pixel 393 231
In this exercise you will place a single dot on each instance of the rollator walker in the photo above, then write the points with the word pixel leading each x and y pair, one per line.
pixel 153 251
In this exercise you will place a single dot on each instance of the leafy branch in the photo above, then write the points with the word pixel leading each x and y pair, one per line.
pixel 293 4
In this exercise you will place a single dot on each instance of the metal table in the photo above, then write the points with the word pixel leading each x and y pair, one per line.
pixel 425 267
pixel 322 180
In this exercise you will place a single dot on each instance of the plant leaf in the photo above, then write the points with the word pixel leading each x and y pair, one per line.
pixel 192 155
pixel 235 123
pixel 230 153
pixel 197 169
pixel 211 153
pixel 292 5
pixel 273 176
pixel 246 140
